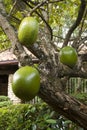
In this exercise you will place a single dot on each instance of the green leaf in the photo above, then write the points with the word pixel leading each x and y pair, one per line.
pixel 34 127
pixel 51 121
pixel 67 122
pixel 49 129
pixel 33 109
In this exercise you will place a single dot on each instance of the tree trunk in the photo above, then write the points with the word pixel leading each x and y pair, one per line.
pixel 64 104
pixel 53 92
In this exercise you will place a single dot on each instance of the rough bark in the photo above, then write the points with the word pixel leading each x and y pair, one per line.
pixel 53 75
pixel 51 92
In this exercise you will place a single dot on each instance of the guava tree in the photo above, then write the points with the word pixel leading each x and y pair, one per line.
pixel 61 22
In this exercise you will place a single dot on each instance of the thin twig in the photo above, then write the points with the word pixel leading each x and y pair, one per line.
pixel 42 3
pixel 77 22
pixel 38 6
pixel 52 1
pixel 13 7
pixel 55 1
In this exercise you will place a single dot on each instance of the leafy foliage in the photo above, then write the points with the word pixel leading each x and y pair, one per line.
pixel 81 96
pixel 4 41
pixel 4 101
pixel 37 116
pixel 4 98
pixel 61 14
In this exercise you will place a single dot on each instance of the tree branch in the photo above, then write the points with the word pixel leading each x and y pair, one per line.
pixel 42 3
pixel 38 6
pixel 65 105
pixel 77 22
pixel 74 73
pixel 83 20
pixel 52 93
pixel 55 1
pixel 50 1
pixel 18 49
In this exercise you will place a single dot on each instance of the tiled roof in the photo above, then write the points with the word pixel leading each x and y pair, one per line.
pixel 8 58
pixel 7 55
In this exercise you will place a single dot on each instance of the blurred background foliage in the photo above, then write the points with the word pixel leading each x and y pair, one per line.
pixel 37 116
